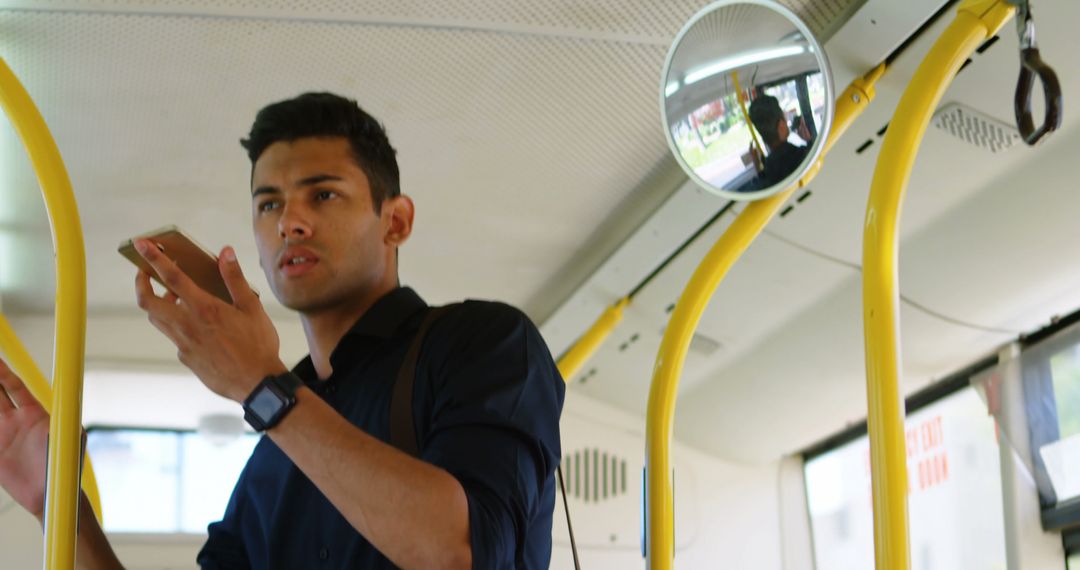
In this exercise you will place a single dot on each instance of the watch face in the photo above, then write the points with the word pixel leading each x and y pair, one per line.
pixel 265 404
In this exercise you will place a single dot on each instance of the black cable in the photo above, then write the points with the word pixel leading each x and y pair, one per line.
pixel 680 249
pixel 569 527
pixel 904 298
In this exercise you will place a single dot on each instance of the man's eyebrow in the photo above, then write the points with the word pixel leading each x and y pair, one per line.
pixel 309 181
pixel 265 190
pixel 319 179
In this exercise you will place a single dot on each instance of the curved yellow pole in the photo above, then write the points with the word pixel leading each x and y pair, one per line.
pixel 975 22
pixel 571 362
pixel 659 515
pixel 24 366
pixel 65 427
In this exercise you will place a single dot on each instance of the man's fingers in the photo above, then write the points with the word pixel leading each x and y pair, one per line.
pixel 15 390
pixel 171 275
pixel 243 297
pixel 148 301
pixel 6 405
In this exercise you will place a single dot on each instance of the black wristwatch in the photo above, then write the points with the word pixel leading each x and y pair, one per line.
pixel 271 400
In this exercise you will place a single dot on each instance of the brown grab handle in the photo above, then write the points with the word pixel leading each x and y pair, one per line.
pixel 1030 66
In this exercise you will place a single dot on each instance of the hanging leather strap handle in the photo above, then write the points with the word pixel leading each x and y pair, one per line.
pixel 1032 66
pixel 402 430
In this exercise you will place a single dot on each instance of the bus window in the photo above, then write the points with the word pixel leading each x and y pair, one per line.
pixel 1062 457
pixel 956 518
pixel 164 481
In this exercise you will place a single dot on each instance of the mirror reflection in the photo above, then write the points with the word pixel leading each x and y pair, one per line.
pixel 747 92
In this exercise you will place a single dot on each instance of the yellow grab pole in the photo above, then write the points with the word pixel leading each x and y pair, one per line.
pixel 746 117
pixel 65 427
pixel 660 419
pixel 571 362
pixel 24 367
pixel 975 22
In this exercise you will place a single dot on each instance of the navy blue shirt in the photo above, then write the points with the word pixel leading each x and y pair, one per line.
pixel 486 407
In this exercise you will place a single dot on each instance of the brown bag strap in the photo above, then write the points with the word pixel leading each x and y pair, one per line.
pixel 402 429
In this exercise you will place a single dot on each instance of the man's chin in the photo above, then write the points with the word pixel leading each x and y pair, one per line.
pixel 307 302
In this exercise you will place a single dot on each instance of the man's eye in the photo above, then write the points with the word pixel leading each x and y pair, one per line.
pixel 267 206
pixel 324 195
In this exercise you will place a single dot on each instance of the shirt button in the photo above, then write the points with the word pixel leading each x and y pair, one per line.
pixel 324 553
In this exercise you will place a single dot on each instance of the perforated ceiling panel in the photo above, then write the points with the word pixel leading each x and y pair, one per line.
pixel 975 127
pixel 611 19
pixel 520 125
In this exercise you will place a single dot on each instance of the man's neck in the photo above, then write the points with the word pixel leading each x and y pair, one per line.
pixel 325 329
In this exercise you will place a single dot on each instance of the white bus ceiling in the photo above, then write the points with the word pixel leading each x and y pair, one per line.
pixel 529 135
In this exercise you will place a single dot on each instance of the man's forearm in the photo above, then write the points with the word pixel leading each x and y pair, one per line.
pixel 92 549
pixel 416 514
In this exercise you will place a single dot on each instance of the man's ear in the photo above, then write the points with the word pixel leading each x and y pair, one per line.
pixel 397 214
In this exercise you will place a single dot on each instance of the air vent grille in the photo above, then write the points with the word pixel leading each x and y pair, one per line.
pixel 824 17
pixel 594 475
pixel 975 127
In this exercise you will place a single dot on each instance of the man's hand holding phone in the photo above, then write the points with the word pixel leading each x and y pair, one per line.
pixel 231 348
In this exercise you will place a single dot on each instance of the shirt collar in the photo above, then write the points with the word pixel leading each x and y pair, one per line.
pixel 383 320
pixel 388 314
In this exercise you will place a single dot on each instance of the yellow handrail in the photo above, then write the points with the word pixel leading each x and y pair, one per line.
pixel 24 367
pixel 583 349
pixel 65 426
pixel 660 418
pixel 975 22
pixel 741 98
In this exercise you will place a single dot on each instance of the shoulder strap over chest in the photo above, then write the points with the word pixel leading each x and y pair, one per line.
pixel 402 428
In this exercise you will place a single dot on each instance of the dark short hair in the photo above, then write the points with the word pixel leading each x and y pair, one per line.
pixel 765 112
pixel 330 115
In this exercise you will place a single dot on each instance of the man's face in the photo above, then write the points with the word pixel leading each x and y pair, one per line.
pixel 320 242
pixel 782 131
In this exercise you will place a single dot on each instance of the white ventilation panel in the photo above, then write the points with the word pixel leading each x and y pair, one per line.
pixel 976 128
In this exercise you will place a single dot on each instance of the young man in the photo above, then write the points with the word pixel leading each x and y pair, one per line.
pixel 784 158
pixel 325 489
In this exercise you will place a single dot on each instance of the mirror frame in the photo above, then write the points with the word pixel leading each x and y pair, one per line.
pixel 823 130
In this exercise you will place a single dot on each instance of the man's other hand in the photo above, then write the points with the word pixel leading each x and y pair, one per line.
pixel 24 434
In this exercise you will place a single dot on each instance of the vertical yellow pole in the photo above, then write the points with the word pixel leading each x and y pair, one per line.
pixel 975 22
pixel 660 419
pixel 65 427
pixel 741 97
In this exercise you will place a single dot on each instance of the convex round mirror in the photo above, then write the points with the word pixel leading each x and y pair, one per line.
pixel 746 98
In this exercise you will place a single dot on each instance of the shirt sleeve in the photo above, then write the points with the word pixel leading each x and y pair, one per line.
pixel 224 548
pixel 495 424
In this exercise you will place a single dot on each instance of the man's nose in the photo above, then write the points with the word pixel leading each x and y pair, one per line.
pixel 294 223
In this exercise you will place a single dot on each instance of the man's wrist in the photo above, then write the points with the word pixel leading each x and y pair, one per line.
pixel 252 383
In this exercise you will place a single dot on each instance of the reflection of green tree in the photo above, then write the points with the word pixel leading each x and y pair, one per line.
pixel 735 141
pixel 1065 370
